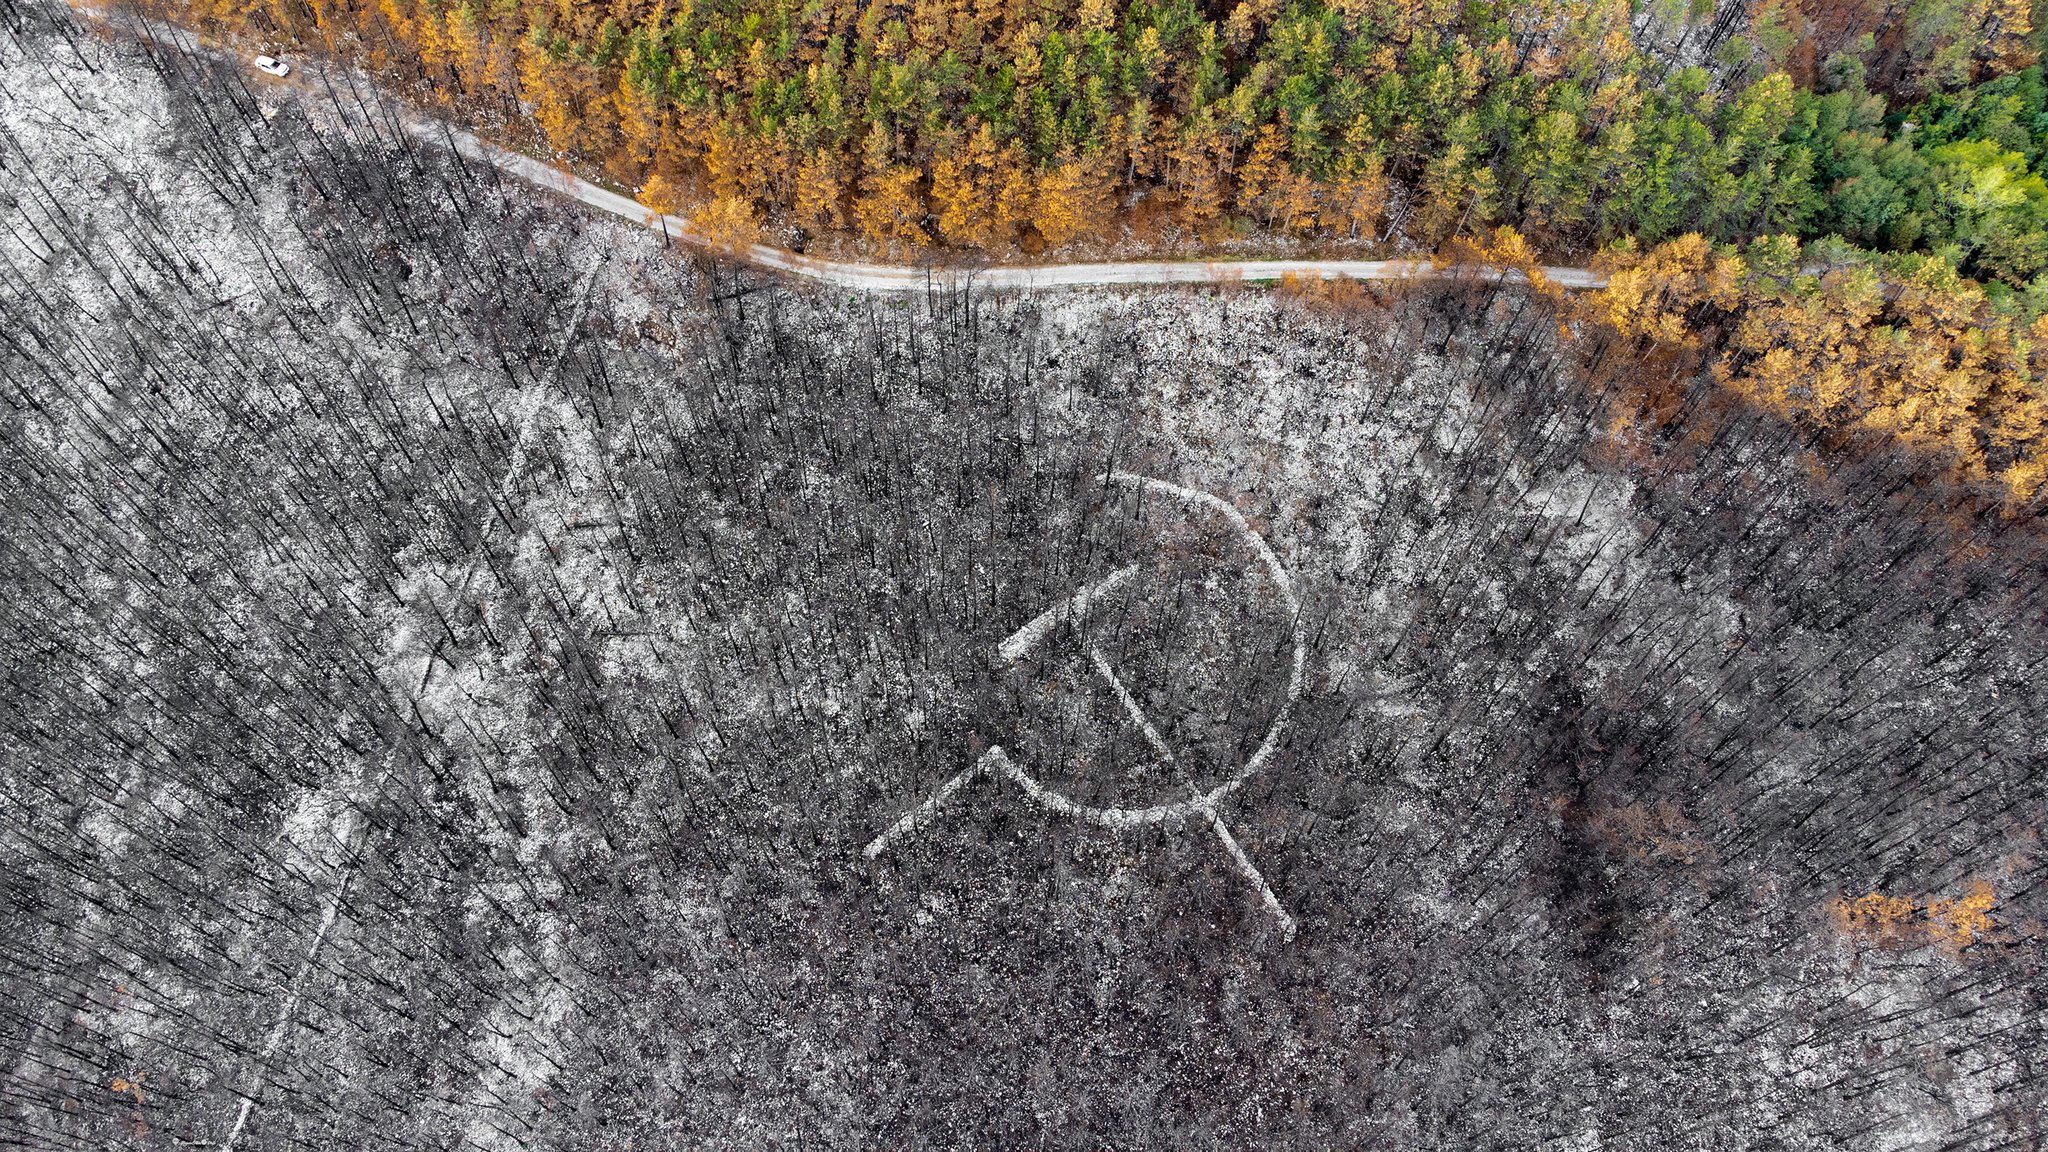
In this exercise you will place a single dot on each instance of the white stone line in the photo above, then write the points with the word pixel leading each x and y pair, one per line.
pixel 1229 512
pixel 532 409
pixel 1243 860
pixel 1130 703
pixel 919 816
pixel 1058 803
pixel 284 1014
pixel 1282 583
pixel 523 434
pixel 1074 607
pixel 1251 873
pixel 1107 817
pixel 533 400
pixel 1200 804
pixel 583 294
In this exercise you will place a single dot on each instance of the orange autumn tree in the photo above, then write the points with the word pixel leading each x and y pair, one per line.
pixel 889 212
pixel 1799 355
pixel 1507 250
pixel 1875 917
pixel 1659 296
pixel 1262 170
pixel 476 61
pixel 727 225
pixel 2019 418
pixel 1198 165
pixel 1357 201
pixel 660 194
pixel 1069 201
pixel 1904 922
pixel 981 193
pixel 545 84
pixel 820 184
pixel 1919 357
pixel 642 130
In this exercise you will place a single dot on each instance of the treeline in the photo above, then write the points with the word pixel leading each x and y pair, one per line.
pixel 991 123
pixel 1863 355
pixel 1904 353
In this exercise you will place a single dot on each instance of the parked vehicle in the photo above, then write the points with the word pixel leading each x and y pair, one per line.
pixel 272 65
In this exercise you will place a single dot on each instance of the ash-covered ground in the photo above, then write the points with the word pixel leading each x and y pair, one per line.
pixel 468 669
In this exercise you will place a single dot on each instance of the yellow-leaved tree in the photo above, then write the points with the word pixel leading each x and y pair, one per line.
pixel 1356 202
pixel 1655 296
pixel 2019 418
pixel 1070 200
pixel 820 185
pixel 980 192
pixel 1197 164
pixel 888 212
pixel 545 85
pixel 662 195
pixel 727 225
pixel 641 129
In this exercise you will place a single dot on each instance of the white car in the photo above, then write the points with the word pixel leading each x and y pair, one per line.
pixel 272 65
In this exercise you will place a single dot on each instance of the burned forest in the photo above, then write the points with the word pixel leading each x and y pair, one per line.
pixel 477 676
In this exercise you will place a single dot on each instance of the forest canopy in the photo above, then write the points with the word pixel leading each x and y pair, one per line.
pixel 987 123
pixel 1838 208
